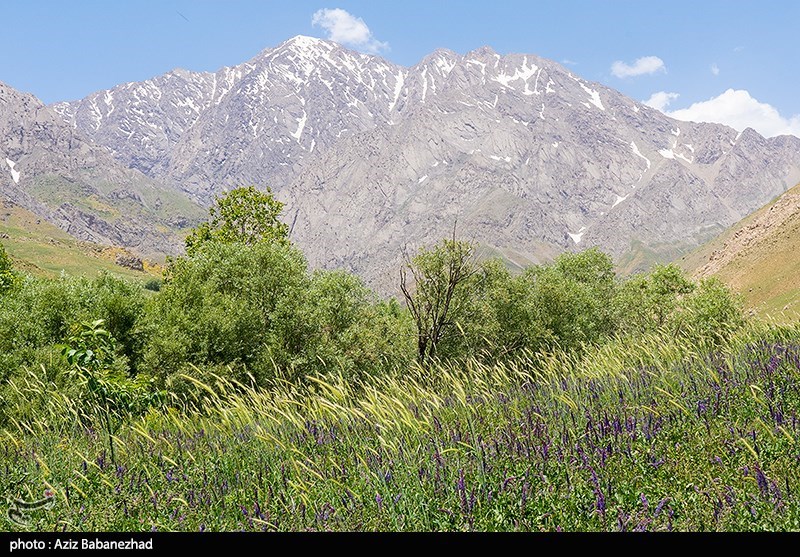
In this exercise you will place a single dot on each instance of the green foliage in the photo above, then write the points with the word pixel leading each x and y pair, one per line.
pixel 231 303
pixel 7 276
pixel 688 441
pixel 256 309
pixel 442 291
pixel 572 296
pixel 562 397
pixel 113 396
pixel 645 302
pixel 711 312
pixel 351 330
pixel 243 215
pixel 153 284
pixel 39 314
pixel 93 348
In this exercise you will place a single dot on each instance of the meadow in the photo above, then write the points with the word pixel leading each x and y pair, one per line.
pixel 249 393
pixel 658 436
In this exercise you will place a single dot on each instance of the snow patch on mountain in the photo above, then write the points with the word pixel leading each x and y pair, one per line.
pixel 578 235
pixel 639 154
pixel 594 96
pixel 14 173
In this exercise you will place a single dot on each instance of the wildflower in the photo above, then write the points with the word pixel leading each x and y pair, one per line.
pixel 660 506
pixel 462 490
pixel 761 479
pixel 600 500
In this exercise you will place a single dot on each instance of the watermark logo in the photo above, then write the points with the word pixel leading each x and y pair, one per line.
pixel 19 509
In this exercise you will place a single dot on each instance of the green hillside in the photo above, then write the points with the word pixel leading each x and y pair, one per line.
pixel 758 257
pixel 41 249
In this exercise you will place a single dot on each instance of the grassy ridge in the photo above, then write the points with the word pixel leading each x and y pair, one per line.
pixel 765 272
pixel 659 435
pixel 41 249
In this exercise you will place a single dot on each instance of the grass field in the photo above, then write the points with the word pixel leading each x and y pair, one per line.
pixel 656 436
pixel 41 249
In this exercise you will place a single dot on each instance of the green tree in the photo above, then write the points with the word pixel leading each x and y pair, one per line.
pixel 7 276
pixel 645 302
pixel 353 331
pixel 512 322
pixel 571 298
pixel 244 215
pixel 231 304
pixel 441 277
pixel 711 312
pixel 113 396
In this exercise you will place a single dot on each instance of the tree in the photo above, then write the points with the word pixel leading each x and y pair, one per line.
pixel 113 395
pixel 711 312
pixel 439 275
pixel 243 215
pixel 7 276
pixel 236 305
pixel 570 298
pixel 645 302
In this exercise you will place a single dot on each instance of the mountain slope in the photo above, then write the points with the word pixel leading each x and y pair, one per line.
pixel 759 257
pixel 371 156
pixel 542 165
pixel 41 249
pixel 53 170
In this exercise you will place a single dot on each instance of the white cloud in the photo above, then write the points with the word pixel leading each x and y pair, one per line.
pixel 642 66
pixel 737 109
pixel 660 101
pixel 347 29
pixel 568 62
pixel 714 69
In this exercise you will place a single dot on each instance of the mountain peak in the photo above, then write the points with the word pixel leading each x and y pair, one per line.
pixel 483 52
pixel 304 42
pixel 441 54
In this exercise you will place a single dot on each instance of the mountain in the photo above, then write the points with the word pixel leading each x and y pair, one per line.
pixel 528 158
pixel 758 257
pixel 53 170
pixel 41 249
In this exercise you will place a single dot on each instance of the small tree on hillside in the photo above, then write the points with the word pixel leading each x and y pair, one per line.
pixel 243 215
pixel 7 275
pixel 439 274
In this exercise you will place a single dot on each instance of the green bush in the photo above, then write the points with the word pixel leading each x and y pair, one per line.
pixel 256 309
pixel 153 284
pixel 8 279
pixel 710 313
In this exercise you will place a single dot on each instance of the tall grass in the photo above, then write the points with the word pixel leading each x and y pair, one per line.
pixel 659 434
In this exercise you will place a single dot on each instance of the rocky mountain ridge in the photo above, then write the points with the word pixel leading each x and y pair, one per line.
pixel 369 156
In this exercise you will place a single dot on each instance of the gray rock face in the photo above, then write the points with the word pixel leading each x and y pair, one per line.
pixel 129 261
pixel 528 158
pixel 52 169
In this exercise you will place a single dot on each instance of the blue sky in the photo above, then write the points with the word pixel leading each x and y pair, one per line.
pixel 735 61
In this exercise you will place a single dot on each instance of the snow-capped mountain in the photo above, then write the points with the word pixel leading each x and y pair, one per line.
pixel 530 158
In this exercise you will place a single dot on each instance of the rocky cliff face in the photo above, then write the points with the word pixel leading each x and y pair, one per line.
pixel 527 157
pixel 52 169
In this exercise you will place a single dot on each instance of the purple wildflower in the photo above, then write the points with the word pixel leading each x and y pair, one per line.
pixel 600 501
pixel 660 506
pixel 761 479
pixel 462 490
